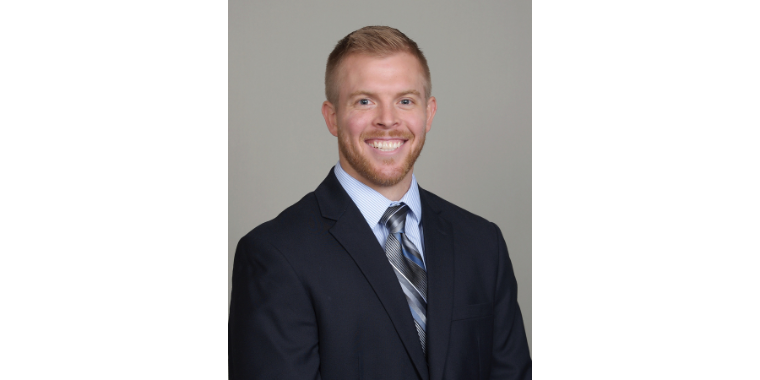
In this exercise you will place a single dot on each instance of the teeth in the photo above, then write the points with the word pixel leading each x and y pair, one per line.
pixel 386 145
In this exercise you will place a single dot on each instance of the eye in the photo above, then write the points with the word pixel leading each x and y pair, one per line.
pixel 406 102
pixel 364 102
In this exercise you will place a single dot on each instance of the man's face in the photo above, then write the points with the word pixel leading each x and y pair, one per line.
pixel 381 117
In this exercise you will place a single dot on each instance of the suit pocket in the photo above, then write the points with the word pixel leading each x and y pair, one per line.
pixel 473 311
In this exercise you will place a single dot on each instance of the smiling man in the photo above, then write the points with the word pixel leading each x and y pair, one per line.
pixel 370 276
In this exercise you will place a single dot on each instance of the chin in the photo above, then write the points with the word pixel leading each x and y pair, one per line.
pixel 388 178
pixel 384 174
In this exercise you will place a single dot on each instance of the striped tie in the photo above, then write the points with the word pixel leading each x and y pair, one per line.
pixel 408 266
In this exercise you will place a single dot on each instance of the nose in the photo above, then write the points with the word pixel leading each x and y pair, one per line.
pixel 386 117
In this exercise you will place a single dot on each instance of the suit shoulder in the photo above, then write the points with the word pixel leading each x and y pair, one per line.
pixel 299 217
pixel 454 212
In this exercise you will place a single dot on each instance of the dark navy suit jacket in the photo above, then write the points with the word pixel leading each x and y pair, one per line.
pixel 314 297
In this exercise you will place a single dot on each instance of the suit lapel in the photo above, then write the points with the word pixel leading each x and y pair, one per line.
pixel 439 257
pixel 353 233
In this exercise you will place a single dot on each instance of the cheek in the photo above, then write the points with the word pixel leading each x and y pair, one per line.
pixel 355 124
pixel 417 124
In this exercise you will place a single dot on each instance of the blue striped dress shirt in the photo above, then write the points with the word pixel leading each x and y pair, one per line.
pixel 373 204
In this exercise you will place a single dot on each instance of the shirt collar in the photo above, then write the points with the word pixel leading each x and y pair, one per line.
pixel 373 204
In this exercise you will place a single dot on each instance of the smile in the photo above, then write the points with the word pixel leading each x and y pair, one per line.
pixel 386 145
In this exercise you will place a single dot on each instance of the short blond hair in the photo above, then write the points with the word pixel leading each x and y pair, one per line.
pixel 378 41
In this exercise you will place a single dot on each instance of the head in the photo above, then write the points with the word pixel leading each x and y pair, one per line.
pixel 378 104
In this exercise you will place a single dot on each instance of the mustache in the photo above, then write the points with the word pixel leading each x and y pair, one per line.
pixel 393 134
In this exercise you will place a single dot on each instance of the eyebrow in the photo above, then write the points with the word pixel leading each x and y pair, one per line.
pixel 402 93
pixel 408 92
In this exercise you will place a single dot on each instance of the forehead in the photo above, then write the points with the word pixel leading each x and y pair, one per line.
pixel 363 69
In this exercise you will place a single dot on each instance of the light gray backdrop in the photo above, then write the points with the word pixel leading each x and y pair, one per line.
pixel 477 154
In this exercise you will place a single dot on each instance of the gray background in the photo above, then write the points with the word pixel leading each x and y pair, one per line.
pixel 477 154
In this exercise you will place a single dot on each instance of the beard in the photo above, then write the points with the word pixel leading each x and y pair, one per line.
pixel 374 174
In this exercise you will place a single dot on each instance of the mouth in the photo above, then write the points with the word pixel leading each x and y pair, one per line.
pixel 385 145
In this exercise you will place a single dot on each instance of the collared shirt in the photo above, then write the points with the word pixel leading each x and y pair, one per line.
pixel 373 205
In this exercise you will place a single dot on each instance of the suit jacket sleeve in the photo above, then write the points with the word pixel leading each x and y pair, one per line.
pixel 272 326
pixel 511 357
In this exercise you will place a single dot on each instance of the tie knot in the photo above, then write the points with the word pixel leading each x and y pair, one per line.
pixel 395 217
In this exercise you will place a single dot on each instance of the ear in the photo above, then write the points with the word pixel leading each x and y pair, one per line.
pixel 328 112
pixel 432 106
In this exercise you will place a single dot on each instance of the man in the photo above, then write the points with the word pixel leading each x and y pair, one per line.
pixel 370 276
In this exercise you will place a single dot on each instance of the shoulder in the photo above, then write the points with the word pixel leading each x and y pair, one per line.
pixel 451 211
pixel 462 220
pixel 299 222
